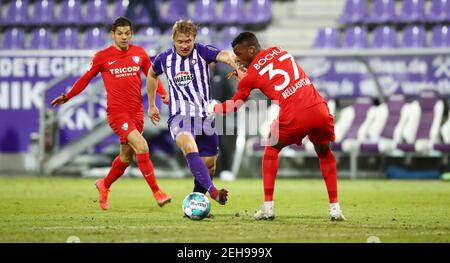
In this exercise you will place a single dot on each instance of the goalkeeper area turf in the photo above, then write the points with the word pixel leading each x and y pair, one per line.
pixel 52 209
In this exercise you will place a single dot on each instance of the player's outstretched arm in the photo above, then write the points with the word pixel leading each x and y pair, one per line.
pixel 152 86
pixel 78 87
pixel 227 57
pixel 61 99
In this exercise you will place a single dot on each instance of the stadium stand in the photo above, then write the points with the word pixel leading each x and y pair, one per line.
pixel 421 129
pixel 70 13
pixel 13 38
pixel 383 11
pixel 355 11
pixel 205 11
pixel 94 38
pixel 327 38
pixel 41 38
pixel 439 11
pixel 384 36
pixel 413 37
pixel 97 12
pixel 355 37
pixel 43 12
pixel 66 38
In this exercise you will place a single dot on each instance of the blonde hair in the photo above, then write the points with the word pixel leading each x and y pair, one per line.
pixel 184 26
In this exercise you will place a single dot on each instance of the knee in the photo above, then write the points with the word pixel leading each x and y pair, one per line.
pixel 126 158
pixel 141 147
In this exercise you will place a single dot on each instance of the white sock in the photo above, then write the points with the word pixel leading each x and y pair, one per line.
pixel 335 206
pixel 268 204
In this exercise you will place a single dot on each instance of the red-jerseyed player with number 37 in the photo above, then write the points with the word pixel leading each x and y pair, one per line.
pixel 303 112
pixel 120 65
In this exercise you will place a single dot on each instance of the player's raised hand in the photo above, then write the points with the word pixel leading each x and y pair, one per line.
pixel 210 108
pixel 165 99
pixel 61 99
pixel 153 113
pixel 237 73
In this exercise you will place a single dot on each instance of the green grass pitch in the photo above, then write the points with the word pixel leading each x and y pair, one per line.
pixel 50 209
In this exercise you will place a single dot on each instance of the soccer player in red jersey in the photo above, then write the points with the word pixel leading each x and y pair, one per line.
pixel 120 65
pixel 303 112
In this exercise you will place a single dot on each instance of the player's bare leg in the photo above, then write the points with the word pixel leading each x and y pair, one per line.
pixel 188 146
pixel 329 173
pixel 269 170
pixel 140 147
pixel 118 167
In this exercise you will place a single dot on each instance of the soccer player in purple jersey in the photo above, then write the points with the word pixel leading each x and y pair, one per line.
pixel 186 68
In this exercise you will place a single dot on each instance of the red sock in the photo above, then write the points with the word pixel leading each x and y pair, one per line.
pixel 269 170
pixel 328 168
pixel 117 169
pixel 145 165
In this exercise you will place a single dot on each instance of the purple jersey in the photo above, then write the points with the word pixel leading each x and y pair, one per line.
pixel 188 77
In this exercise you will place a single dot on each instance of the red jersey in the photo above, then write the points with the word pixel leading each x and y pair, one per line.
pixel 276 73
pixel 121 73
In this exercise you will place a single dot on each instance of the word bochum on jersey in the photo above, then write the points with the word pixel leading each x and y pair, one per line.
pixel 188 77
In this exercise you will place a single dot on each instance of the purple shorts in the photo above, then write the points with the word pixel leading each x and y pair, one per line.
pixel 202 128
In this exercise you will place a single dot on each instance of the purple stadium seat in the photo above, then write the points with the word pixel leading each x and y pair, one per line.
pixel 413 36
pixel 142 15
pixel 16 13
pixel 444 146
pixel 207 35
pixel 440 36
pixel 422 129
pixel 350 121
pixel 327 38
pixel 147 37
pixel 43 12
pixel 94 38
pixel 70 12
pixel 386 126
pixel 259 12
pixel 96 12
pixel 205 11
pixel 355 11
pixel 66 38
pixel 384 37
pixel 13 38
pixel 355 37
pixel 119 9
pixel 439 12
pixel 412 11
pixel 232 12
pixel 40 39
pixel 382 11
pixel 226 36
pixel 178 9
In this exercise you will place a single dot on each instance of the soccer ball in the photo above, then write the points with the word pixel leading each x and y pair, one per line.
pixel 196 206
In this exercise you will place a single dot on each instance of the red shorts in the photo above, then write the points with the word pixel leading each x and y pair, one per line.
pixel 291 127
pixel 123 123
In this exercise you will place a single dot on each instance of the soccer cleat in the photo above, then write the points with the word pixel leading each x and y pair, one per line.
pixel 162 198
pixel 103 198
pixel 336 214
pixel 220 196
pixel 265 213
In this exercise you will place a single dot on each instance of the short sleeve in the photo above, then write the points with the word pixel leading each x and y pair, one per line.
pixel 157 65
pixel 208 53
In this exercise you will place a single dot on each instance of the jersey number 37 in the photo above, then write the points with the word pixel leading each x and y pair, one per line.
pixel 273 72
